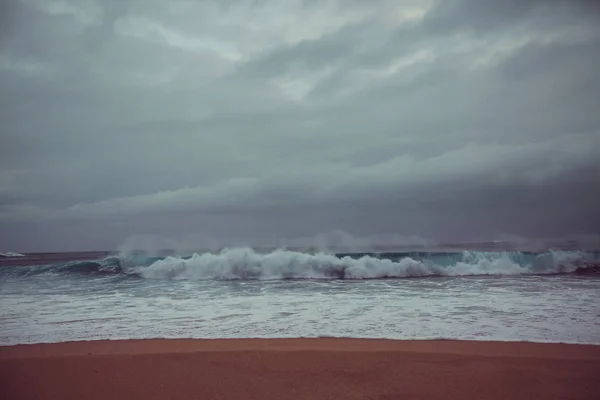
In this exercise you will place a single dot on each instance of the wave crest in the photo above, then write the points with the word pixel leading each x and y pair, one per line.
pixel 246 264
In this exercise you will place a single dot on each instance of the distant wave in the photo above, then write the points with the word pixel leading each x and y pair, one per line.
pixel 11 254
pixel 247 264
pixel 106 266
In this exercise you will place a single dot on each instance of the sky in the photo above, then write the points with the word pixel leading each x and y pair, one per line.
pixel 253 122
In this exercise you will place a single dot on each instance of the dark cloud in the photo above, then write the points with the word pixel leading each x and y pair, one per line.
pixel 487 16
pixel 255 121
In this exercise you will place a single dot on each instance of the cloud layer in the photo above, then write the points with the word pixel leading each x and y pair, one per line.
pixel 257 120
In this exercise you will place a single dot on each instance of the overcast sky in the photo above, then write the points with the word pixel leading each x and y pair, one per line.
pixel 252 121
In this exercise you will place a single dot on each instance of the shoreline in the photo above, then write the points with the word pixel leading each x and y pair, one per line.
pixel 346 343
pixel 299 369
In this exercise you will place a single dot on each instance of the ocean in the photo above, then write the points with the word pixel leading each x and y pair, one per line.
pixel 549 296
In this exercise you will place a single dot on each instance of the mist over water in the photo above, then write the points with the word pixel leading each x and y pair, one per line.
pixel 249 264
pixel 244 264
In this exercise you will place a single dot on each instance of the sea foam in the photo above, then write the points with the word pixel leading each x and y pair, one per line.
pixel 247 264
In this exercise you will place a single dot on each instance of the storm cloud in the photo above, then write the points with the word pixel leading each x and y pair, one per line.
pixel 253 121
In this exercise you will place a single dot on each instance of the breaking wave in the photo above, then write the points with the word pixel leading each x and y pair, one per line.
pixel 106 266
pixel 247 264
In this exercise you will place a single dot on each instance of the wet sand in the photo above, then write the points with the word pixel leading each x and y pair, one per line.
pixel 299 369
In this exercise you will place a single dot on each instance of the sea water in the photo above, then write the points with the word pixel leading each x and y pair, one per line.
pixel 241 293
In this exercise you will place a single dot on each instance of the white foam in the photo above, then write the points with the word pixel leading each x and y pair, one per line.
pixel 245 263
pixel 557 309
pixel 11 254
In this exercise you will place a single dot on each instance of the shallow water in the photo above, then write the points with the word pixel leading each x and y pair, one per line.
pixel 54 305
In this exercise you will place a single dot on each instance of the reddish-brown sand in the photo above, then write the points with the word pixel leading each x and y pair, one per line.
pixel 282 369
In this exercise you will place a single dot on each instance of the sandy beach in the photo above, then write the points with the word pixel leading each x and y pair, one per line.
pixel 299 369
